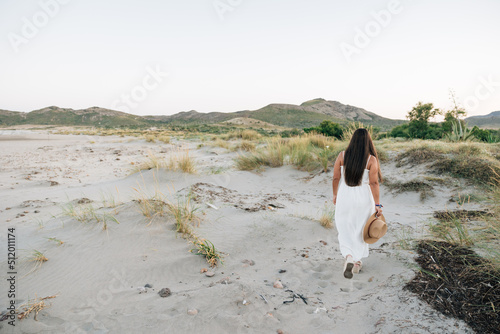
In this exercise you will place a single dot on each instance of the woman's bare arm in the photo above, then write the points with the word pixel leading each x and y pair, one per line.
pixel 374 185
pixel 336 176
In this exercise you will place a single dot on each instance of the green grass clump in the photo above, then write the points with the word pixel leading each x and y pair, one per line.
pixel 54 239
pixel 184 213
pixel 87 213
pixel 453 231
pixel 181 209
pixel 418 155
pixel 207 249
pixel 309 152
pixel 424 188
pixel 479 169
pixel 352 127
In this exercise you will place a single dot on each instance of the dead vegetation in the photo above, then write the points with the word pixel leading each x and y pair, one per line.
pixel 423 187
pixel 457 282
pixel 33 306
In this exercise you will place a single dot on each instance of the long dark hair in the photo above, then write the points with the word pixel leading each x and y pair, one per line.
pixel 356 157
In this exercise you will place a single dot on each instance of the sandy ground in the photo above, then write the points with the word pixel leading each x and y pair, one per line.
pixel 97 275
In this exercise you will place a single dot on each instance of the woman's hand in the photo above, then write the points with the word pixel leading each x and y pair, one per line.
pixel 378 210
pixel 334 200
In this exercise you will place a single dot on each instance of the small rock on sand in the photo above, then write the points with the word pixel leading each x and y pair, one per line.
pixel 282 271
pixel 210 274
pixel 249 262
pixel 279 331
pixel 148 285
pixel 84 201
pixel 165 292
pixel 278 284
pixel 193 312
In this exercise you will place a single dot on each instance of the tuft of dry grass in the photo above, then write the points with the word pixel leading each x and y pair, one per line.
pixel 250 135
pixel 33 306
pixel 327 217
pixel 152 162
pixel 181 209
pixel 38 258
pixel 247 146
pixel 150 138
pixel 164 138
pixel 150 207
pixel 179 161
pixel 185 163
pixel 221 143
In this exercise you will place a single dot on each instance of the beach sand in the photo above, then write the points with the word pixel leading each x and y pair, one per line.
pixel 264 222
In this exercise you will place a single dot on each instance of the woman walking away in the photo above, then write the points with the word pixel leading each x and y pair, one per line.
pixel 356 195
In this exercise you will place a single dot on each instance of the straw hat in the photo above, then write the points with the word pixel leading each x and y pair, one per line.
pixel 375 228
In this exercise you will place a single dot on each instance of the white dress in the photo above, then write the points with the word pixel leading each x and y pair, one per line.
pixel 354 206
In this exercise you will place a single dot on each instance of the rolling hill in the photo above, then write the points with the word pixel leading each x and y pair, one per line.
pixel 93 116
pixel 490 121
pixel 309 113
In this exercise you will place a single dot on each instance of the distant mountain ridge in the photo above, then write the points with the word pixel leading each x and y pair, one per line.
pixel 491 121
pixel 93 116
pixel 309 113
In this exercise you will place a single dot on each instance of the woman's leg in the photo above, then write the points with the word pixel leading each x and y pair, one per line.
pixel 357 267
pixel 348 266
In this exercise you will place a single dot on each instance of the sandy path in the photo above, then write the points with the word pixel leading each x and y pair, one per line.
pixel 96 273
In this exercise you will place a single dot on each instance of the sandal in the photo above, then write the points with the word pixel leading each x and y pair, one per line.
pixel 348 266
pixel 357 267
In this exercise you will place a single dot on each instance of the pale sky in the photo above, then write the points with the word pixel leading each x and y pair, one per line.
pixel 161 57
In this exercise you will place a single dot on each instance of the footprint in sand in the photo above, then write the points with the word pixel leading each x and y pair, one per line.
pixel 323 284
pixel 352 286
pixel 319 268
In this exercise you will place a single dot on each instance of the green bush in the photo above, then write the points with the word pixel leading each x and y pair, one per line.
pixel 327 128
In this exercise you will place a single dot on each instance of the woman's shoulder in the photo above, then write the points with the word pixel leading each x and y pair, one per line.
pixel 371 161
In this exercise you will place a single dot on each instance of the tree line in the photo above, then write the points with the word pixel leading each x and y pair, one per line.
pixel 453 127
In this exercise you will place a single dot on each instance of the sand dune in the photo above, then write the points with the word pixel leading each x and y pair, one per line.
pixel 264 223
